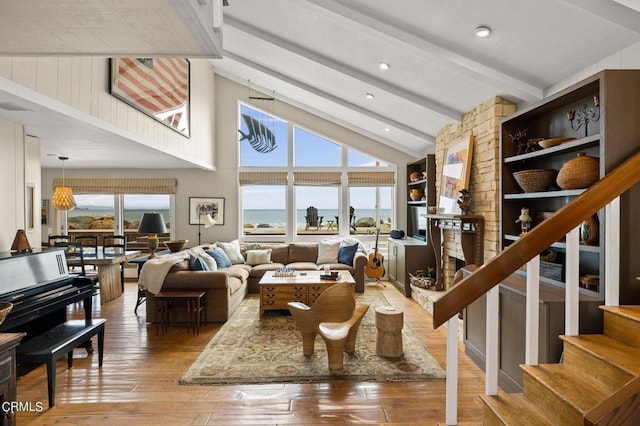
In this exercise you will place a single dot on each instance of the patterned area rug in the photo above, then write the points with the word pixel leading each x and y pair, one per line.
pixel 253 351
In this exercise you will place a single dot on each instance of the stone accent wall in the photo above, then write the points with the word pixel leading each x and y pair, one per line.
pixel 484 123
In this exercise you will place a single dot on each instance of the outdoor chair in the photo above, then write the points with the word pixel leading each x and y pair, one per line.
pixel 313 220
pixel 336 316
pixel 352 219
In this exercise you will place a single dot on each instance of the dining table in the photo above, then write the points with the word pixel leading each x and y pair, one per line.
pixel 109 277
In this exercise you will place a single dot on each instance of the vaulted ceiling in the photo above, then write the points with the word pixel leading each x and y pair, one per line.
pixel 324 55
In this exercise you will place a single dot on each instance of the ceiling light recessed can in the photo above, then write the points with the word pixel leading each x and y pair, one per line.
pixel 369 96
pixel 384 66
pixel 483 31
pixel 386 129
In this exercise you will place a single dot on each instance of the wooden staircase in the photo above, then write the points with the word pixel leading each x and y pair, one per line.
pixel 598 371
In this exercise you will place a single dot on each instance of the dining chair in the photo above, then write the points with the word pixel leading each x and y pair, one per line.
pixel 53 239
pixel 115 244
pixel 89 244
pixel 74 253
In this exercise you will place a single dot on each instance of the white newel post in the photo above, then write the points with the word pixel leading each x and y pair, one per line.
pixel 612 253
pixel 451 414
pixel 533 311
pixel 572 289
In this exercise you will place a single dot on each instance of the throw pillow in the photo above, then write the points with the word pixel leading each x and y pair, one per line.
pixel 328 251
pixel 210 261
pixel 221 258
pixel 258 257
pixel 196 263
pixel 232 250
pixel 347 253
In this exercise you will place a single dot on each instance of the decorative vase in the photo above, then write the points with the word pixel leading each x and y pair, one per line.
pixel 589 231
pixel 415 194
pixel 580 172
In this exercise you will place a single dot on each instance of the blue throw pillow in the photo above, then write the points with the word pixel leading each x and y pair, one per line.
pixel 220 256
pixel 197 264
pixel 347 253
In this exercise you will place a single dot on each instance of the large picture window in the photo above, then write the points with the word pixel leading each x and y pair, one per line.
pixel 308 186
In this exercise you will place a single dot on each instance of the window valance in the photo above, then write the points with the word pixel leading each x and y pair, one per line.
pixel 317 178
pixel 371 178
pixel 118 185
pixel 263 178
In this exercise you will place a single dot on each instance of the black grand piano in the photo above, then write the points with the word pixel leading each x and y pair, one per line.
pixel 40 287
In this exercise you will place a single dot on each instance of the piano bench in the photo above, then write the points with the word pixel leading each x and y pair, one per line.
pixel 51 345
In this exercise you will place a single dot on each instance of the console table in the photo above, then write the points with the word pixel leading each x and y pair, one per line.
pixel 471 229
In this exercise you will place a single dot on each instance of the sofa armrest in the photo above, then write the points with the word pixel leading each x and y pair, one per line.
pixel 359 263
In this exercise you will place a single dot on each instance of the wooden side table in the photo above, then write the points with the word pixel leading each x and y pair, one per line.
pixel 193 301
pixel 389 323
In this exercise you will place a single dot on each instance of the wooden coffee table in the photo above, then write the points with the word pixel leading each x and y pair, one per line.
pixel 305 287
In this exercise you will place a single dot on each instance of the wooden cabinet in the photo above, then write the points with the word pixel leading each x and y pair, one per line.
pixel 406 256
pixel 604 110
pixel 8 391
pixel 421 192
pixel 512 327
pixel 276 296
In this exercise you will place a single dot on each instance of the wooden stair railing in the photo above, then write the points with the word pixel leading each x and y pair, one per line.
pixel 536 240
pixel 622 406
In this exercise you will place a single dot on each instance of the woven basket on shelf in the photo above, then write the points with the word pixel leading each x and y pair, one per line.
pixel 535 180
pixel 580 172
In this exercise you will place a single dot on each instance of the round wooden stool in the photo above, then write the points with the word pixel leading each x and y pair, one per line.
pixel 389 322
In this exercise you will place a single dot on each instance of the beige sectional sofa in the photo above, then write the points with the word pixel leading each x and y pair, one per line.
pixel 227 287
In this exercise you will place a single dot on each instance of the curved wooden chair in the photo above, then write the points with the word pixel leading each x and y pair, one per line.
pixel 336 316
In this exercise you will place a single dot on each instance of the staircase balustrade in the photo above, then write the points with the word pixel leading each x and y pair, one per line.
pixel 485 279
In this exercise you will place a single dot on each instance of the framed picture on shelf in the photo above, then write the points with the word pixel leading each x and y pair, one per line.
pixel 159 87
pixel 456 168
pixel 203 206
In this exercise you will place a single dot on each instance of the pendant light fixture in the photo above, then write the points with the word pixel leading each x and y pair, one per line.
pixel 63 195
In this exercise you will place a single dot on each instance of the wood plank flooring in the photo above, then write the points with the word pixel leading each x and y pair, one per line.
pixel 138 383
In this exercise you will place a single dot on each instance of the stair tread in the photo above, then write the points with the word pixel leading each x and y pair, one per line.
pixel 568 383
pixel 609 350
pixel 631 312
pixel 515 409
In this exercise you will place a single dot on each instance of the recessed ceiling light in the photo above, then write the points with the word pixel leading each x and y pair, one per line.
pixel 386 129
pixel 384 66
pixel 483 31
pixel 369 96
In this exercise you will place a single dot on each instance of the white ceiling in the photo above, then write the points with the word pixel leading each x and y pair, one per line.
pixel 323 55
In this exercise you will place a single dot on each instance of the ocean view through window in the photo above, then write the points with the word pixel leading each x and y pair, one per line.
pixel 295 182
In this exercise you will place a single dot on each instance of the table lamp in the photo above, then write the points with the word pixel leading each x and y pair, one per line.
pixel 152 224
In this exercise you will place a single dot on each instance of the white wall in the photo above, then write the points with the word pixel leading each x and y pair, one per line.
pixel 223 182
pixel 19 165
pixel 83 83
pixel 628 58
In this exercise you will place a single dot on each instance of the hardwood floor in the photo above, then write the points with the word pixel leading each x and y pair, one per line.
pixel 138 383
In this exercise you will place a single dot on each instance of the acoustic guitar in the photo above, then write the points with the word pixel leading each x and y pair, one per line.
pixel 375 265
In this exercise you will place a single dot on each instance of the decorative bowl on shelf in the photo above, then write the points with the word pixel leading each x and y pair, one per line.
pixel 176 245
pixel 535 180
pixel 5 308
pixel 415 176
pixel 580 172
pixel 548 143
